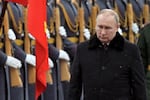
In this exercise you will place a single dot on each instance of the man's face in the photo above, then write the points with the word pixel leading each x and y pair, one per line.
pixel 106 27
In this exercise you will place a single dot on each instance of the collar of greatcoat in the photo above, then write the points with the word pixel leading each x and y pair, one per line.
pixel 117 42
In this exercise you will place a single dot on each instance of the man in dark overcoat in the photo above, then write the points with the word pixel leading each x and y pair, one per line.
pixel 107 67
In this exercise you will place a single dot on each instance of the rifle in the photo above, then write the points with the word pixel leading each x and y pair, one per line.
pixel 62 72
pixel 28 68
pixel 93 17
pixel 130 21
pixel 31 69
pixel 146 13
pixel 81 22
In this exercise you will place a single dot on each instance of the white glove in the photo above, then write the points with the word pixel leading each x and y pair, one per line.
pixel 62 31
pixel 11 35
pixel 47 33
pixel 31 36
pixel 135 28
pixel 63 55
pixel 120 31
pixel 50 63
pixel 30 59
pixel 13 62
pixel 87 33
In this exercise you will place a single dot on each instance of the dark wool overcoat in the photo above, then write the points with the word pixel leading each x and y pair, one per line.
pixel 114 72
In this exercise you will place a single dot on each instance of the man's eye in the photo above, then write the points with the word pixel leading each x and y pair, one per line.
pixel 107 28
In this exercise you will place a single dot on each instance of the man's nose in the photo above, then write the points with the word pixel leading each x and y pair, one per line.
pixel 103 31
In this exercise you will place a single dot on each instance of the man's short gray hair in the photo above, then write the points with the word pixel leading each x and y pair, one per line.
pixel 111 12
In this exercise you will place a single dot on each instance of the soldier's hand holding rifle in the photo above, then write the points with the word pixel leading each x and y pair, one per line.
pixel 63 55
pixel 13 62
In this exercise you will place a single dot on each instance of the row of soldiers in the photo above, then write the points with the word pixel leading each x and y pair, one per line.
pixel 69 22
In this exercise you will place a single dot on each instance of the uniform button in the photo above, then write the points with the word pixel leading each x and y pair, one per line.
pixel 103 68
pixel 120 66
pixel 101 89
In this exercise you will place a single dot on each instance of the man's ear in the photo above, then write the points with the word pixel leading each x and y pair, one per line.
pixel 118 26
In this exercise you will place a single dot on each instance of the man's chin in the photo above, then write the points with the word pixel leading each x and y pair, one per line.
pixel 104 40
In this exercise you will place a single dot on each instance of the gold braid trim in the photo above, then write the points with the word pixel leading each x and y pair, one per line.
pixel 71 26
pixel 16 28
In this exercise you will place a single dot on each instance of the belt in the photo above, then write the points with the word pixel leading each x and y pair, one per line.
pixel 1 45
pixel 73 39
pixel 19 42
pixel 32 42
pixel 51 41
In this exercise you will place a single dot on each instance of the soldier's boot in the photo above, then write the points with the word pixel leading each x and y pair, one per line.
pixel 31 91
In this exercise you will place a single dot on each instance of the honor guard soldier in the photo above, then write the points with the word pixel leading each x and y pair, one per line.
pixel 69 21
pixel 137 16
pixel 120 8
pixel 16 35
pixel 125 11
pixel 87 18
pixel 138 6
pixel 10 76
pixel 84 20
pixel 53 90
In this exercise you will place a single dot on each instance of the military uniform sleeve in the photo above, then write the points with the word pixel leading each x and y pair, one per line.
pixel 53 52
pixel 3 58
pixel 70 48
pixel 18 52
